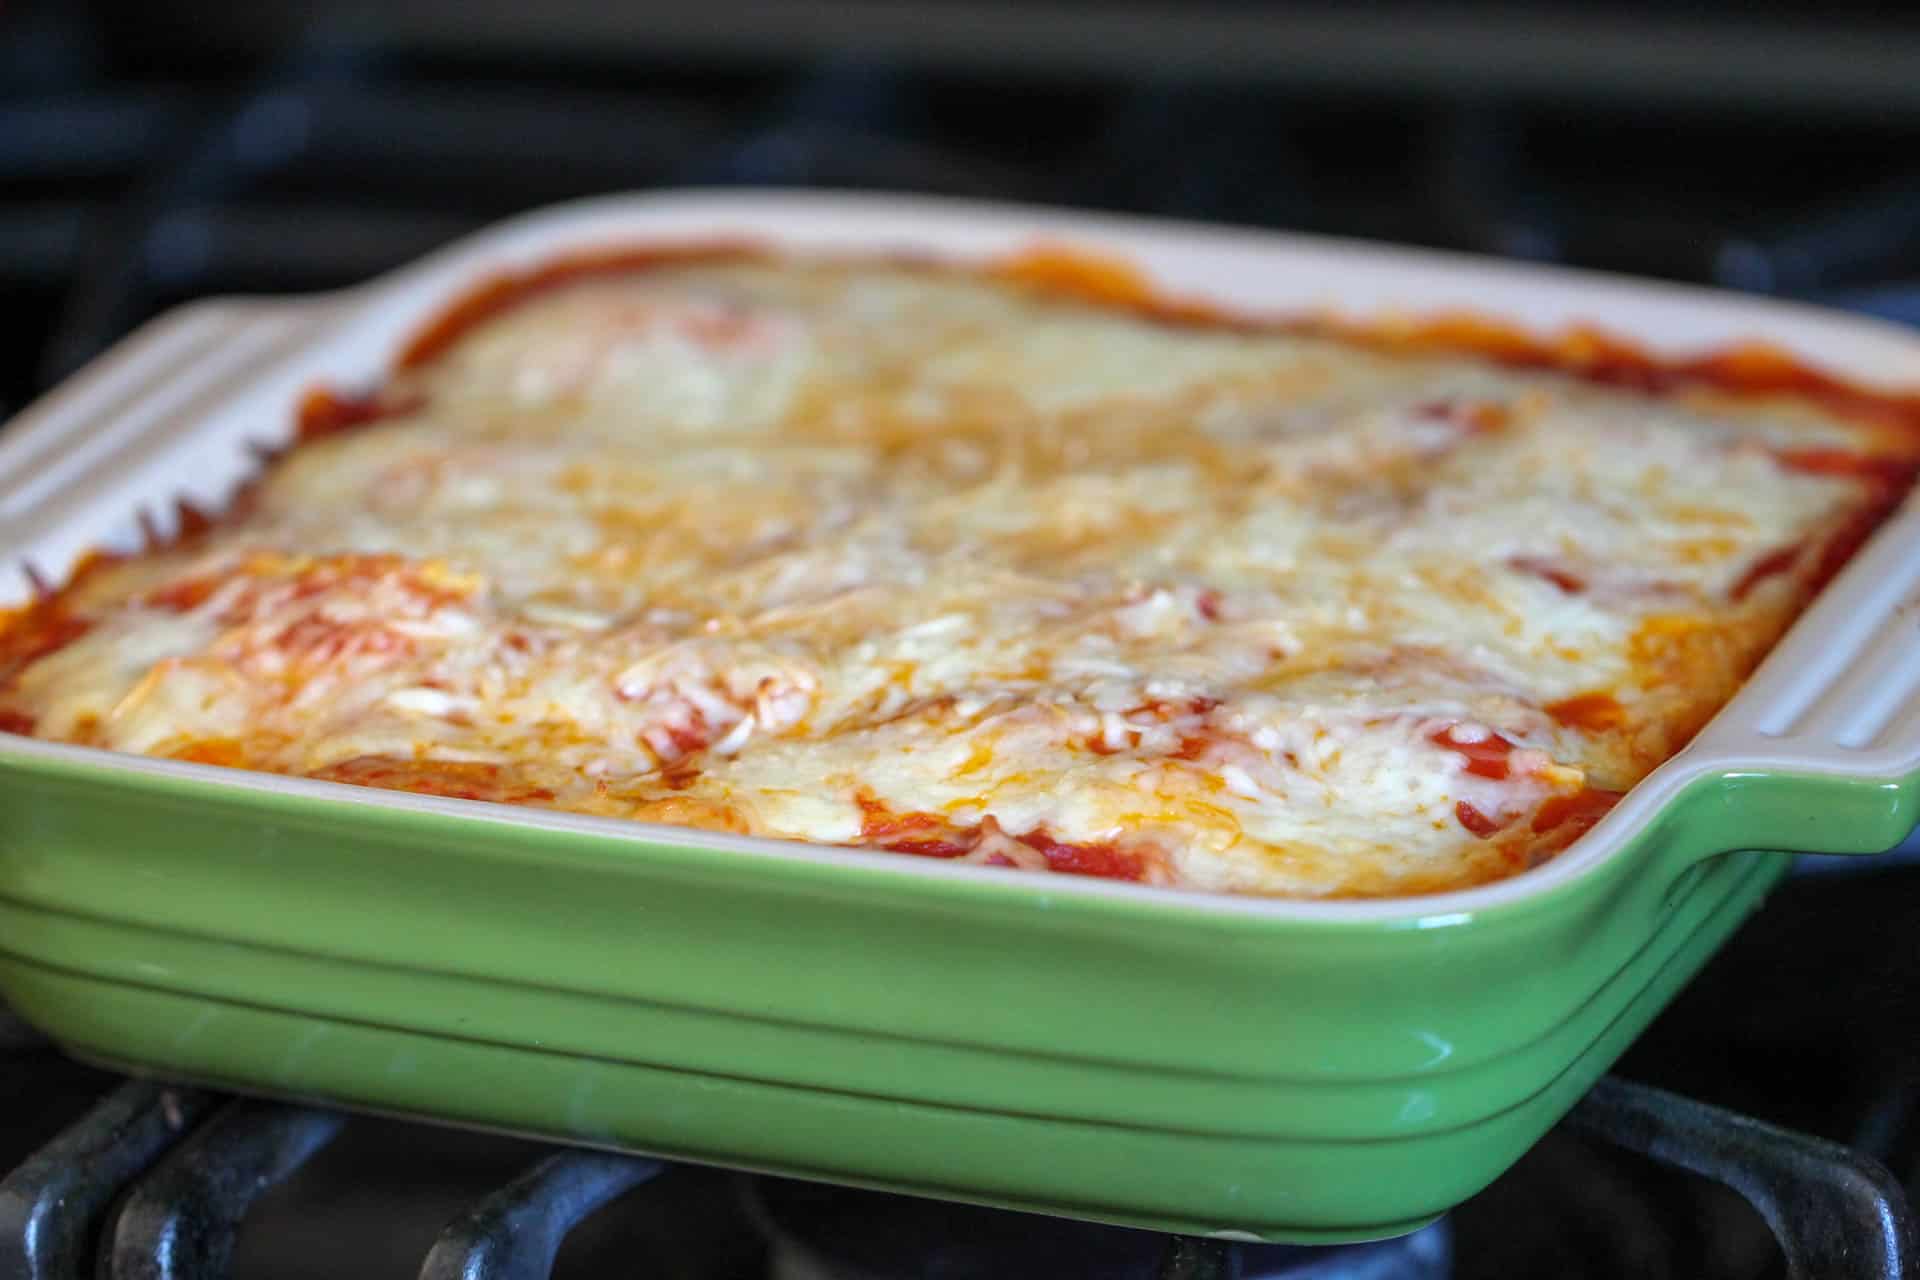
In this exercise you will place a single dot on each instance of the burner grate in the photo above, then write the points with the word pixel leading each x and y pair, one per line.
pixel 180 1220
pixel 157 1182
pixel 1837 1215
pixel 516 1233
pixel 52 1207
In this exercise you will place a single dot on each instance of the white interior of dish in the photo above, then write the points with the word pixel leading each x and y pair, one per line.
pixel 179 410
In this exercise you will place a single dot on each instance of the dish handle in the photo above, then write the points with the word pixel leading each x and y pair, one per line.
pixel 1745 809
pixel 1753 812
pixel 175 412
pixel 1820 753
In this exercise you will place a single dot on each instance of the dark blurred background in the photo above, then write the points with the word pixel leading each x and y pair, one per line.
pixel 155 150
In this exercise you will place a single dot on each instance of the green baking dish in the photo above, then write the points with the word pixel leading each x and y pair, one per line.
pixel 1279 1070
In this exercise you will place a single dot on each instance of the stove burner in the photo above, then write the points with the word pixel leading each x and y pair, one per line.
pixel 821 1232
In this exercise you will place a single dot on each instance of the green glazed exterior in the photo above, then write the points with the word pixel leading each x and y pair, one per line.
pixel 987 1038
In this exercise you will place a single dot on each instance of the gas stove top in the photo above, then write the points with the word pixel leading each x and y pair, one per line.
pixel 1768 1124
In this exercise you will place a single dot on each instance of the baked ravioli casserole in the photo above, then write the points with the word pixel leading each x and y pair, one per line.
pixel 1011 566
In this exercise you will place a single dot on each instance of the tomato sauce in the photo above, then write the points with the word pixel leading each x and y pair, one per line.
pixel 325 412
pixel 185 594
pixel 230 752
pixel 1571 584
pixel 508 290
pixel 1106 859
pixel 1486 758
pixel 1569 816
pixel 1592 711
pixel 1771 565
pixel 1877 470
pixel 457 779
pixel 930 835
pixel 1475 821
pixel 45 628
pixel 1479 417
pixel 1748 369
pixel 1107 280
pixel 926 834
pixel 37 631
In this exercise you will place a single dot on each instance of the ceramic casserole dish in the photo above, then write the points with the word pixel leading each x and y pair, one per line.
pixel 1270 1069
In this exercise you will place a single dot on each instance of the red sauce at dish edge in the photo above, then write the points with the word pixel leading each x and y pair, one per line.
pixel 324 412
pixel 1588 352
pixel 42 628
pixel 1571 814
pixel 1106 859
pixel 457 779
pixel 1771 565
pixel 502 292
pixel 933 836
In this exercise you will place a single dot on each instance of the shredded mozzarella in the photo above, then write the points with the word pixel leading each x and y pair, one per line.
pixel 872 554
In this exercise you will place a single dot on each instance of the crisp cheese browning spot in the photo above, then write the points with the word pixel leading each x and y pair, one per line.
pixel 1024 567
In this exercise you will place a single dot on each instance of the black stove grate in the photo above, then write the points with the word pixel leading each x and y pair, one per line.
pixel 516 1233
pixel 1836 1213
pixel 156 1181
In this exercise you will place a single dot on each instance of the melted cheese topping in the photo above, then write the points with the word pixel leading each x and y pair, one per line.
pixel 906 558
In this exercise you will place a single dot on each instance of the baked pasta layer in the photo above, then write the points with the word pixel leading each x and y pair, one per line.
pixel 965 566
